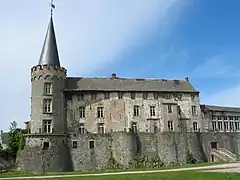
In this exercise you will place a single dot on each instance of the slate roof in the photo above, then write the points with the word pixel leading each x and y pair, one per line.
pixel 220 108
pixel 128 84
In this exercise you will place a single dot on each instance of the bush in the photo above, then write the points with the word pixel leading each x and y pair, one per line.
pixel 190 159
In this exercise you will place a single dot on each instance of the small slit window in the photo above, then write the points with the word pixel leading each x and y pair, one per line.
pixel 91 144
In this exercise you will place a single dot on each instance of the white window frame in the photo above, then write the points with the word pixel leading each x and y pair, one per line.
pixel 47 88
pixel 101 128
pixel 136 110
pixel 100 113
pixel 82 112
pixel 152 111
pixel 47 126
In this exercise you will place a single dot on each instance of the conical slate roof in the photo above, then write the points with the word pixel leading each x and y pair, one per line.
pixel 49 55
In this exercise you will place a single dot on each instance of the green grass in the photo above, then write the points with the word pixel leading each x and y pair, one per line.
pixel 189 175
pixel 14 173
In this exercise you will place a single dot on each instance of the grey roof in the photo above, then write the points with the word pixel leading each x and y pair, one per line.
pixel 128 84
pixel 49 55
pixel 220 108
pixel 5 138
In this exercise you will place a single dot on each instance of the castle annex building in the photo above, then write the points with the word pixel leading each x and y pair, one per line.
pixel 80 123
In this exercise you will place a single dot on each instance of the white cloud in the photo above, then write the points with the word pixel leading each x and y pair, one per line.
pixel 90 34
pixel 227 97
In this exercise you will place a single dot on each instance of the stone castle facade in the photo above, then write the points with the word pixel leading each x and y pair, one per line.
pixel 97 123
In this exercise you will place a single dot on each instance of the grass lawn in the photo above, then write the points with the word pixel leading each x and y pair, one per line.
pixel 190 175
pixel 14 173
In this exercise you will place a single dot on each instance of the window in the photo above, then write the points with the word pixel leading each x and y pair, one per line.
pixel 195 127
pixel 236 118
pixel 230 117
pixel 193 96
pixel 168 96
pixel 91 144
pixel 155 95
pixel 81 128
pixel 136 110
pixel 214 125
pixel 106 95
pixel 134 127
pixel 170 125
pixel 81 97
pixel 213 117
pixel 225 124
pixel 47 88
pixel 231 125
pixel 219 117
pixel 120 95
pixel 220 125
pixel 145 95
pixel 194 110
pixel 82 112
pixel 179 110
pixel 179 96
pixel 93 96
pixel 101 128
pixel 155 126
pixel 152 111
pixel 225 117
pixel 45 145
pixel 169 109
pixel 100 112
pixel 74 144
pixel 47 126
pixel 47 105
pixel 237 126
pixel 133 95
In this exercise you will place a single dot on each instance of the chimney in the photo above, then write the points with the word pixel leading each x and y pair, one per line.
pixel 114 76
pixel 186 78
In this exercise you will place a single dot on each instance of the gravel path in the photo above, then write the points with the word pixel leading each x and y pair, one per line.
pixel 231 167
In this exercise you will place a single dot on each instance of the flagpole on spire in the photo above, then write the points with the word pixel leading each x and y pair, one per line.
pixel 52 7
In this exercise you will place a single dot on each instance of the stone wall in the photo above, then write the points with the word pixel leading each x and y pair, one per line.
pixel 123 150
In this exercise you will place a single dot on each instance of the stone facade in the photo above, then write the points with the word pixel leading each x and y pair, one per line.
pixel 99 123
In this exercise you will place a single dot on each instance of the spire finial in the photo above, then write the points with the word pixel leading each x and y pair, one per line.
pixel 52 7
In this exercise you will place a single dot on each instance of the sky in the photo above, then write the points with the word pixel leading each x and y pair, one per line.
pixel 172 39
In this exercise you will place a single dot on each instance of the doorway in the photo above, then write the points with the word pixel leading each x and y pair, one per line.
pixel 213 145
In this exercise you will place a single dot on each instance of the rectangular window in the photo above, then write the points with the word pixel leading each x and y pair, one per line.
pixel 193 96
pixel 47 126
pixel 219 117
pixel 169 108
pixel 81 129
pixel 91 144
pixel 152 111
pixel 155 95
pixel 81 97
pixel 136 110
pixel 47 106
pixel 237 125
pixel 120 95
pixel 225 124
pixel 145 95
pixel 168 96
pixel 82 112
pixel 230 117
pixel 100 112
pixel 220 125
pixel 195 127
pixel 101 128
pixel 47 88
pixel 45 145
pixel 134 127
pixel 236 118
pixel 225 118
pixel 194 110
pixel 213 117
pixel 155 126
pixel 74 144
pixel 106 95
pixel 133 95
pixel 214 125
pixel 231 125
pixel 170 125
pixel 93 96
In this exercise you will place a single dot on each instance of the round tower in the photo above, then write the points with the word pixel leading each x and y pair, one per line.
pixel 46 146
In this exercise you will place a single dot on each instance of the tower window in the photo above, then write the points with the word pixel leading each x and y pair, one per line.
pixel 82 112
pixel 81 128
pixel 47 105
pixel 74 144
pixel 47 126
pixel 47 88
pixel 100 112
pixel 101 128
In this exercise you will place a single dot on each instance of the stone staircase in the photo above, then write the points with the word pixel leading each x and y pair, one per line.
pixel 223 154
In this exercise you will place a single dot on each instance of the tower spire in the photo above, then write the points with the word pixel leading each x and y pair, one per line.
pixel 49 54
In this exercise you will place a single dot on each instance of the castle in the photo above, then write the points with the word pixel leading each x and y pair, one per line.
pixel 80 123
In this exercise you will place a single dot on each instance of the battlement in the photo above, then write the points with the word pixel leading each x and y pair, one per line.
pixel 46 71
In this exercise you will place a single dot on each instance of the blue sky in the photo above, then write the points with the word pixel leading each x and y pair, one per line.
pixel 132 38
